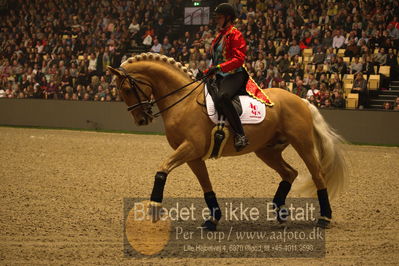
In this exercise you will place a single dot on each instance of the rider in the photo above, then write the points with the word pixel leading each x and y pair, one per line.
pixel 228 52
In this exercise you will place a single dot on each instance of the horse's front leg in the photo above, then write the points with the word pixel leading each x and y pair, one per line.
pixel 185 152
pixel 201 172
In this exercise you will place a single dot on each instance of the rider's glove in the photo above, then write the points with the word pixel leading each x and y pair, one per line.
pixel 212 70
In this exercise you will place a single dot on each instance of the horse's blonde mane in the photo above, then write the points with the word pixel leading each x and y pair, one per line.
pixel 160 58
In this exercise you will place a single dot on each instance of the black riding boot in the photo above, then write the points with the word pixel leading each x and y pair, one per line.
pixel 240 140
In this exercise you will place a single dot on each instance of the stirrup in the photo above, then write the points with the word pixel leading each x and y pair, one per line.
pixel 240 142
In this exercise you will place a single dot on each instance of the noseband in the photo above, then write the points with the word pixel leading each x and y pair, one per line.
pixel 147 104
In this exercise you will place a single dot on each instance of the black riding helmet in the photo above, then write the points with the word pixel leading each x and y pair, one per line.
pixel 226 10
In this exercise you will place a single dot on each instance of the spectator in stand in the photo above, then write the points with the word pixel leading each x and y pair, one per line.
pixel 352 50
pixel 283 85
pixel 327 103
pixel 294 49
pixel 364 49
pixel 166 46
pixel 197 43
pixel 327 40
pixel 160 29
pixel 356 66
pixel 148 36
pixel 330 55
pixel 51 91
pixel 92 68
pixel 335 81
pixel 260 78
pixel 352 36
pixel 338 40
pixel 310 80
pixel 298 70
pixel 322 78
pixel 156 47
pixel 338 100
pixel 392 61
pixel 208 40
pixel 282 48
pixel 260 63
pixel 368 66
pixel 364 39
pixel 387 43
pixel 299 89
pixel 340 66
pixel 199 70
pixel 360 87
pixel 270 48
pixel 324 96
pixel 387 106
pixel 283 63
pixel 272 80
pixel 313 91
pixel 319 57
pixel 396 105
pixel 134 27
pixel 376 40
pixel 393 34
pixel 172 52
pixel 306 41
pixel 332 10
pixel 188 40
pixel 380 58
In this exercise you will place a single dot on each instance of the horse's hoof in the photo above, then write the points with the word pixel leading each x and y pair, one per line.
pixel 324 223
pixel 282 214
pixel 209 225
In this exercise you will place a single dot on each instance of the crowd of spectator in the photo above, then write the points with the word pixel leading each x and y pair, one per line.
pixel 59 49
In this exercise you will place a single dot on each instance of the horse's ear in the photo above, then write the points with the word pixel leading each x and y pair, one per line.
pixel 114 71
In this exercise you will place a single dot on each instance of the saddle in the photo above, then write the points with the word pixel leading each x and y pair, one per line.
pixel 212 90
pixel 250 110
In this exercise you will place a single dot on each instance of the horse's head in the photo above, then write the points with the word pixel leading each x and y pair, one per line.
pixel 148 79
pixel 136 93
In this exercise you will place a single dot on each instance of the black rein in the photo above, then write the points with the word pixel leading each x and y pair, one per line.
pixel 148 103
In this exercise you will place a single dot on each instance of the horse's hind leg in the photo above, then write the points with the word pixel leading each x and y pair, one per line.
pixel 305 148
pixel 272 156
pixel 201 172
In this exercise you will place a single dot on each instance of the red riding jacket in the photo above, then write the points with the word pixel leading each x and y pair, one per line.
pixel 234 52
pixel 234 48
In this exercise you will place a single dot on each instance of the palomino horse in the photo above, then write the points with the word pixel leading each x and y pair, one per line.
pixel 152 78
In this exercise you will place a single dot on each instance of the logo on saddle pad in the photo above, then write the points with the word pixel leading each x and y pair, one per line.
pixel 253 111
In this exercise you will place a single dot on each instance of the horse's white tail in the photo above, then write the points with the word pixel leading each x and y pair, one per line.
pixel 330 156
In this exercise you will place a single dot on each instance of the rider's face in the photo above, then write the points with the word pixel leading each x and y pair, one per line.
pixel 220 20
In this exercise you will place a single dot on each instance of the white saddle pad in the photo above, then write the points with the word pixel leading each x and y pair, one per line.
pixel 253 111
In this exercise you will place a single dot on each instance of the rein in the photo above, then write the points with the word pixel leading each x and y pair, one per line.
pixel 148 103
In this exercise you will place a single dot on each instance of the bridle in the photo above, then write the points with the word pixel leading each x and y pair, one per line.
pixel 148 103
pixel 135 88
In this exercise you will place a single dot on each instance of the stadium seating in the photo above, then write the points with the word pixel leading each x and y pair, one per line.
pixel 112 40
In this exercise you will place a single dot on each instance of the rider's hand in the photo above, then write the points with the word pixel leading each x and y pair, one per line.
pixel 212 70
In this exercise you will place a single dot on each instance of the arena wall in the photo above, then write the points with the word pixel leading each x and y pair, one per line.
pixel 357 126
